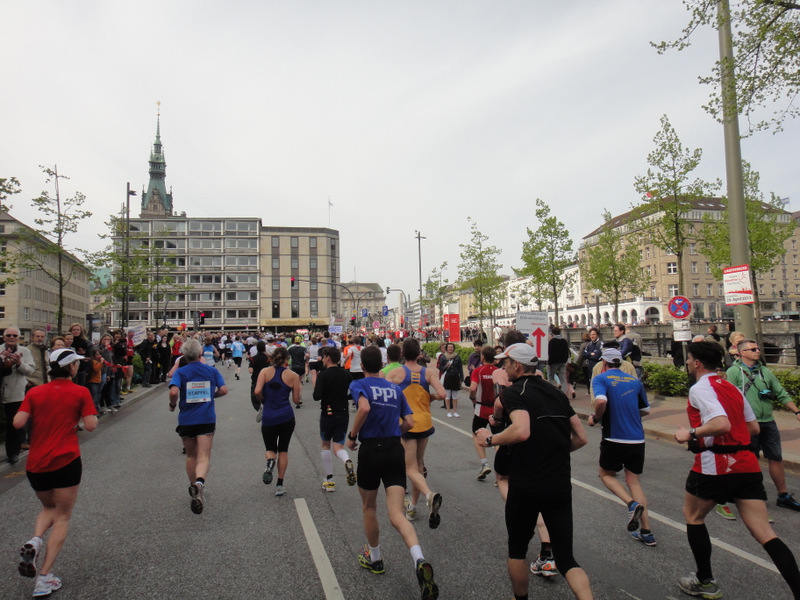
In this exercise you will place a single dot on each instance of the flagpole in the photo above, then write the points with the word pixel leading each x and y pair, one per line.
pixel 329 211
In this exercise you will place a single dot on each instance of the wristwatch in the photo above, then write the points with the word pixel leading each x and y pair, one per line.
pixel 489 440
pixel 352 438
pixel 693 433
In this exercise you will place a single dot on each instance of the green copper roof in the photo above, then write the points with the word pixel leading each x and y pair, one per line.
pixel 156 189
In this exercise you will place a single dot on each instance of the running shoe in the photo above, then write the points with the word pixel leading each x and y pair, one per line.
pixel 427 586
pixel 648 539
pixel 411 513
pixel 280 490
pixel 374 566
pixel 456 415
pixel 544 567
pixel 196 492
pixel 46 585
pixel 450 415
pixel 28 553
pixel 237 375
pixel 635 511
pixel 434 503
pixel 351 472
pixel 485 470
pixel 329 485
pixel 260 413
pixel 788 501
pixel 692 586
pixel 267 476
pixel 726 513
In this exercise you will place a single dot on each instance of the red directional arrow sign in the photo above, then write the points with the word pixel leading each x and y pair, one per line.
pixel 538 335
pixel 535 326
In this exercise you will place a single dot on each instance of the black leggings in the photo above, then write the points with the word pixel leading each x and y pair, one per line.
pixel 522 511
pixel 277 437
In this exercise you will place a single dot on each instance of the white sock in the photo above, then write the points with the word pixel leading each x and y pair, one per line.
pixel 416 554
pixel 374 553
pixel 484 461
pixel 343 455
pixel 327 462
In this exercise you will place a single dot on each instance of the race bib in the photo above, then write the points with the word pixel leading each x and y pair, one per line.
pixel 198 391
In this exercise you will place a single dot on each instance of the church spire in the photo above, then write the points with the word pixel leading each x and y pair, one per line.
pixel 156 201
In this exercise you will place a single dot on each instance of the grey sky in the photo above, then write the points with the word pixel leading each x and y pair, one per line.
pixel 409 115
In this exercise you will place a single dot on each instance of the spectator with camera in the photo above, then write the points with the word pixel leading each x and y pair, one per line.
pixel 761 388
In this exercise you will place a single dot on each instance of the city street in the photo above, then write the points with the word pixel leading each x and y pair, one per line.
pixel 133 535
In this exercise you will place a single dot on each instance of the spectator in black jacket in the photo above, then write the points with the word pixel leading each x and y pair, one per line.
pixel 557 359
pixel 148 350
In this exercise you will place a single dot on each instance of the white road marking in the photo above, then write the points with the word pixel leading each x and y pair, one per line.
pixel 655 516
pixel 330 585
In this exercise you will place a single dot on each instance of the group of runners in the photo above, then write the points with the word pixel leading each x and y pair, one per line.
pixel 528 420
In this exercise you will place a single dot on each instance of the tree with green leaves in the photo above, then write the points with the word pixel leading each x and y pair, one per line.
pixel 8 187
pixel 766 49
pixel 768 227
pixel 141 269
pixel 669 195
pixel 612 264
pixel 479 273
pixel 44 248
pixel 436 288
pixel 545 256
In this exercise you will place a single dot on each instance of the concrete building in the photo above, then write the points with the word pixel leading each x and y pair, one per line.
pixel 240 273
pixel 364 301
pixel 31 300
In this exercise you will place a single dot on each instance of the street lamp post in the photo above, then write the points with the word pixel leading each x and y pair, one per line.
pixel 127 247
pixel 420 237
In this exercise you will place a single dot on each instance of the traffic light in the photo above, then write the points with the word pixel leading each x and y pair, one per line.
pixel 294 284
pixel 202 317
pixel 353 321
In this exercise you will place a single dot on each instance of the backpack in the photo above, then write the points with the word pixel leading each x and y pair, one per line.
pixel 636 353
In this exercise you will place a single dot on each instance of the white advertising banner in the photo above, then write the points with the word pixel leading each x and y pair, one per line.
pixel 535 325
pixel 737 285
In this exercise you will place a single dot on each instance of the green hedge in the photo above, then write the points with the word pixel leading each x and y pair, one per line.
pixel 431 348
pixel 665 380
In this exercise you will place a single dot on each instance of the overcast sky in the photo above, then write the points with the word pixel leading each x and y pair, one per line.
pixel 408 115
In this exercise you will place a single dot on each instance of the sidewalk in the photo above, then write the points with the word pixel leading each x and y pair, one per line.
pixel 667 412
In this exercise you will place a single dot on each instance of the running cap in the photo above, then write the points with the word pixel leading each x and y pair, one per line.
pixel 612 355
pixel 522 353
pixel 64 357
pixel 270 337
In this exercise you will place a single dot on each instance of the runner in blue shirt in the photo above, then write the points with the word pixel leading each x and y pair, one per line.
pixel 237 351
pixel 620 403
pixel 383 416
pixel 195 386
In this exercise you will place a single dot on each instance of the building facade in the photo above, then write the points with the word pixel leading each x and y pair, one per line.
pixel 237 272
pixel 30 301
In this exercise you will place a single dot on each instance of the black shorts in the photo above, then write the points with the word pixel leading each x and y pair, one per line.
pixel 301 370
pixel 68 476
pixel 381 459
pixel 277 437
pixel 237 360
pixel 479 423
pixel 419 435
pixel 315 365
pixel 334 428
pixel 192 431
pixel 726 488
pixel 615 456
pixel 357 375
pixel 502 461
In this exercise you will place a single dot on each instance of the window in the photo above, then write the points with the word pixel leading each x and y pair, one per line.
pixel 295 262
pixel 709 289
pixel 708 267
pixel 333 265
pixel 721 290
pixel 652 291
pixel 672 268
pixel 240 227
pixel 26 290
pixel 295 241
pixel 314 309
pixel 794 259
pixel 774 290
pixel 175 261
pixel 276 285
pixel 26 313
pixel 760 288
pixel 276 241
pixel 295 309
pixel 205 278
pixel 172 226
pixel 242 278
pixel 693 267
pixel 672 289
pixel 276 309
pixel 241 261
pixel 206 261
pixel 206 297
pixel 641 254
pixel 248 243
pixel 695 290
pixel 648 251
pixel 233 296
pixel 206 227
pixel 312 242
pixel 276 263
pixel 312 263
pixel 692 248
pixel 313 285
pixel 772 274
pixel 3 289
pixel 794 243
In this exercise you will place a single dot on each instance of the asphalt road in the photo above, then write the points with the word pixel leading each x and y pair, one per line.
pixel 133 536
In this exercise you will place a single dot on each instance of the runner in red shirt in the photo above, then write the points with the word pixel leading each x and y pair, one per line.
pixel 724 470
pixel 481 392
pixel 54 461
